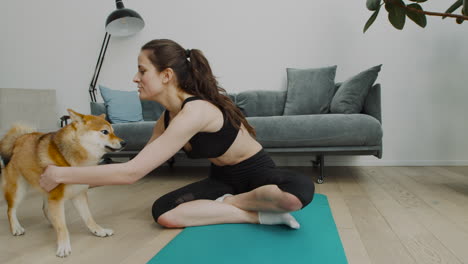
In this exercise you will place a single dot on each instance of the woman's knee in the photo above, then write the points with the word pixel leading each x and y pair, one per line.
pixel 168 220
pixel 303 189
pixel 160 207
pixel 162 214
pixel 306 194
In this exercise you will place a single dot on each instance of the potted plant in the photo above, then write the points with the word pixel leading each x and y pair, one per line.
pixel 398 10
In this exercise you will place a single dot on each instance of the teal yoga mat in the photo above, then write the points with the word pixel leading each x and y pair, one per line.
pixel 317 241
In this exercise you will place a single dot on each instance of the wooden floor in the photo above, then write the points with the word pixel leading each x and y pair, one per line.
pixel 383 214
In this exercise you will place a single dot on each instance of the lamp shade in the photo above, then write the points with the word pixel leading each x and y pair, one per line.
pixel 123 21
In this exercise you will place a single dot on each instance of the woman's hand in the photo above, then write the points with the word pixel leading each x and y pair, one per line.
pixel 49 178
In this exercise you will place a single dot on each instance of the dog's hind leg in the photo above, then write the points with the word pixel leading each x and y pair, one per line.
pixel 14 188
pixel 57 217
pixel 80 202
pixel 45 207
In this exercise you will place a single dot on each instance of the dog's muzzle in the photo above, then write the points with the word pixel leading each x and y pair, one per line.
pixel 122 146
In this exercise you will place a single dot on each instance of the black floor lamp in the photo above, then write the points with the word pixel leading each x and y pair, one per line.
pixel 121 22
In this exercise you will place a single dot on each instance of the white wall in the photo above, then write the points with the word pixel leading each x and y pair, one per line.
pixel 54 45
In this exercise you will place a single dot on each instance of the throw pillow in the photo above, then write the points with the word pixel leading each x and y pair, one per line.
pixel 309 90
pixel 352 93
pixel 121 106
pixel 261 103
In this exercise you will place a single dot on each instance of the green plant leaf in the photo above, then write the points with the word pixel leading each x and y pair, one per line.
pixel 453 7
pixel 371 20
pixel 373 5
pixel 396 14
pixel 418 18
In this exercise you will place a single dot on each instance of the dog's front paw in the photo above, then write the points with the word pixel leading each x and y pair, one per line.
pixel 17 230
pixel 63 250
pixel 103 232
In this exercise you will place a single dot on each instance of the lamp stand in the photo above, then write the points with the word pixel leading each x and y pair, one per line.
pixel 97 70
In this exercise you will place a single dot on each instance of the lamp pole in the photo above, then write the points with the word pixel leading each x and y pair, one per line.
pixel 97 70
pixel 121 22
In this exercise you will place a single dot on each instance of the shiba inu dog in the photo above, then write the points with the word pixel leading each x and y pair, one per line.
pixel 81 143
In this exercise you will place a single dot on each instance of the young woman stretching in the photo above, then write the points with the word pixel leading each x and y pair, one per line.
pixel 244 185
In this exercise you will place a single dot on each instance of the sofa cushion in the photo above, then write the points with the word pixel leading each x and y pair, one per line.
pixel 309 90
pixel 136 134
pixel 232 96
pixel 261 103
pixel 151 110
pixel 327 130
pixel 98 109
pixel 349 99
pixel 372 103
pixel 122 106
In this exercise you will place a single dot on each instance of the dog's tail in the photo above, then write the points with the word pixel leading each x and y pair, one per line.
pixel 8 141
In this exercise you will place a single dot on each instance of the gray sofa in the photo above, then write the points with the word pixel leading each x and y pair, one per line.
pixel 313 134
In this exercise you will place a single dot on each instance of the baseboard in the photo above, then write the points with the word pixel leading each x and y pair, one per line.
pixel 409 163
pixel 300 161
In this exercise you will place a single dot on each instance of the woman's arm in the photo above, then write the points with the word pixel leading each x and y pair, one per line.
pixel 186 124
pixel 158 129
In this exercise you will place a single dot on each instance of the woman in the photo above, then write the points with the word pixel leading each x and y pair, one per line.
pixel 243 187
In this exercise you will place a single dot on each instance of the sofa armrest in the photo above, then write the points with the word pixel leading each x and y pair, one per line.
pixel 372 104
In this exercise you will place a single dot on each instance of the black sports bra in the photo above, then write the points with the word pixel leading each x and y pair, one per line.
pixel 208 144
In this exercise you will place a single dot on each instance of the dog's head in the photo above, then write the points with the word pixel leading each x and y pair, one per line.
pixel 95 132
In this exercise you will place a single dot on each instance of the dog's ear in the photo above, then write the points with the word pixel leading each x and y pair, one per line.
pixel 75 116
pixel 103 116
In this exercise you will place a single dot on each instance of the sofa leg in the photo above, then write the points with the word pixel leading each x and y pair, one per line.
pixel 319 162
pixel 316 162
pixel 171 162
pixel 322 167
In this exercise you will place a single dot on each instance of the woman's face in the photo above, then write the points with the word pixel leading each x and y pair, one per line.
pixel 149 80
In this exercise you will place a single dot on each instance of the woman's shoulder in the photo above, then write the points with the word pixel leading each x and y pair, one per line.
pixel 209 116
pixel 196 109
pixel 203 106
